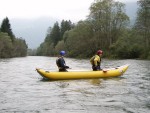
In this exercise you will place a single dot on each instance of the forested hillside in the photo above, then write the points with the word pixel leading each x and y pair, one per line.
pixel 106 27
pixel 10 46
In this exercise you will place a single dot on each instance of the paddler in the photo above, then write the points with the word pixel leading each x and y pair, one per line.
pixel 61 62
pixel 96 61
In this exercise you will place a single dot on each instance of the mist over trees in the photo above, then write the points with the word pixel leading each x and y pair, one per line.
pixel 10 46
pixel 106 27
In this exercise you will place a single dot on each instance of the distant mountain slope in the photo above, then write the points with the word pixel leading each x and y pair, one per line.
pixel 32 30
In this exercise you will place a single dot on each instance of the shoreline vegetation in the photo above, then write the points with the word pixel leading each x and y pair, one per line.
pixel 107 27
pixel 11 46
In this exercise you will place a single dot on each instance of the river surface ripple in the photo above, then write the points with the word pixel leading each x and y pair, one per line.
pixel 22 89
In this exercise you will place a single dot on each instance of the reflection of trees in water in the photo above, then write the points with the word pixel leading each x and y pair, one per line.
pixel 95 82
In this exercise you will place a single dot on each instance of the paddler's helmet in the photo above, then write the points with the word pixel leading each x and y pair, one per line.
pixel 62 53
pixel 99 52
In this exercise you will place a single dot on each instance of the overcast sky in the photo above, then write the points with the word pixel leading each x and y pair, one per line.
pixel 74 10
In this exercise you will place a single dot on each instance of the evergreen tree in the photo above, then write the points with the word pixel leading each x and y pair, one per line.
pixel 6 27
pixel 10 46
pixel 65 26
pixel 55 34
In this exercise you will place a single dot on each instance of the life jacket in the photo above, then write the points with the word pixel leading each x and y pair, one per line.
pixel 92 60
pixel 98 61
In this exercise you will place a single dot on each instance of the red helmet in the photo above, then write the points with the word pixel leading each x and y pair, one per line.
pixel 99 52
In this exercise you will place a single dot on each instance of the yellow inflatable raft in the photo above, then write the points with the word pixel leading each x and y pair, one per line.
pixel 111 72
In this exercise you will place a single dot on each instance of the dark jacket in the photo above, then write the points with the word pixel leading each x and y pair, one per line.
pixel 61 64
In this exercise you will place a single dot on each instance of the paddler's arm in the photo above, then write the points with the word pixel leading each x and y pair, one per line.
pixel 63 64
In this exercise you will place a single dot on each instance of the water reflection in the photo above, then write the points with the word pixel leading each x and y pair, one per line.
pixel 96 82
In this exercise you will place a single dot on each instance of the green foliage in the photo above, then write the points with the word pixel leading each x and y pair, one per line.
pixel 105 28
pixel 127 46
pixel 40 50
pixel 19 48
pixel 45 49
pixel 60 46
pixel 65 26
pixel 102 28
pixel 108 19
pixel 6 46
pixel 10 49
pixel 78 40
pixel 142 25
pixel 54 39
pixel 6 28
pixel 148 55
pixel 31 52
pixel 55 34
pixel 9 45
